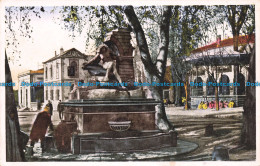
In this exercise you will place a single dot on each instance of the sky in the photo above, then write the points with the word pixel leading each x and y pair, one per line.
pixel 47 37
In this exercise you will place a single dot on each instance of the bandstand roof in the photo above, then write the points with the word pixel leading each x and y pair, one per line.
pixel 221 53
pixel 220 60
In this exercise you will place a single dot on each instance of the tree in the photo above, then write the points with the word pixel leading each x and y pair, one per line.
pixel 14 143
pixel 154 71
pixel 242 20
pixel 248 136
pixel 185 34
pixel 15 139
pixel 112 17
pixel 236 15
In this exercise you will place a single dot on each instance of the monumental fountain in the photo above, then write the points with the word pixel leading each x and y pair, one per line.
pixel 112 119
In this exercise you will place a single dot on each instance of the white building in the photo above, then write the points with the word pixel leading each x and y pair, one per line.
pixel 218 62
pixel 28 95
pixel 65 67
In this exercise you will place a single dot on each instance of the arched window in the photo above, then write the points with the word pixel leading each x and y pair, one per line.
pixel 198 90
pixel 224 89
pixel 241 81
pixel 72 69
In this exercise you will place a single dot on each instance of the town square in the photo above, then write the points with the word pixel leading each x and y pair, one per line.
pixel 130 83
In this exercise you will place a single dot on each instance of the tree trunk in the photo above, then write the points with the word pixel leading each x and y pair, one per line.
pixel 154 72
pixel 172 89
pixel 216 90
pixel 216 97
pixel 235 41
pixel 178 95
pixel 14 144
pixel 177 89
pixel 171 95
pixel 160 117
pixel 186 92
pixel 248 137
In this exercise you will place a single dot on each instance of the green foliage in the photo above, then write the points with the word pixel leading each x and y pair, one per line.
pixel 191 26
pixel 94 21
pixel 18 23
pixel 185 30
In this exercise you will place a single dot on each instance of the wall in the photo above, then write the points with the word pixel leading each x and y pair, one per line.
pixel 25 101
pixel 61 76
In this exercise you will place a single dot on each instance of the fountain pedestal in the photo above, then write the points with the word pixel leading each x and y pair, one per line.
pixel 93 115
pixel 94 131
pixel 128 141
pixel 98 110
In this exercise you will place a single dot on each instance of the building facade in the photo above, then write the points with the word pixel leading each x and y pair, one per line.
pixel 219 63
pixel 66 68
pixel 28 96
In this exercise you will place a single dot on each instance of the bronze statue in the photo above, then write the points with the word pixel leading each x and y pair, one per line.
pixel 104 59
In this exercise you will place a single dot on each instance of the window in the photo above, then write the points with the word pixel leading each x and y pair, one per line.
pixel 51 97
pixel 57 94
pixel 224 90
pixel 241 80
pixel 46 73
pixel 198 90
pixel 72 69
pixel 51 71
pixel 57 70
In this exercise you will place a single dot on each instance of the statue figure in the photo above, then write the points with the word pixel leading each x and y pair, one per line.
pixel 106 59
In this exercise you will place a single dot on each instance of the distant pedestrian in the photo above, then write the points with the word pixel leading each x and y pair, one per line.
pixel 50 106
pixel 51 113
pixel 60 110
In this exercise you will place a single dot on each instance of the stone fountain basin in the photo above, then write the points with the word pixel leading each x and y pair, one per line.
pixel 126 141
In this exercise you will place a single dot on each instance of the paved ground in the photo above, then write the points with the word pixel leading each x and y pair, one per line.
pixel 227 123
pixel 179 111
pixel 190 125
pixel 183 147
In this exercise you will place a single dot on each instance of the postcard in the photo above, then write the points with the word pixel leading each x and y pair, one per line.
pixel 109 82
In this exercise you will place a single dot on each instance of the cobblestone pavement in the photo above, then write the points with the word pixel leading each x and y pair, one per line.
pixel 190 125
pixel 227 124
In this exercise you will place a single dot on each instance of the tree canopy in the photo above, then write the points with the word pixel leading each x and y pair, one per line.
pixel 161 32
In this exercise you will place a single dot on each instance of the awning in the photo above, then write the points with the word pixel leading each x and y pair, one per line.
pixel 219 60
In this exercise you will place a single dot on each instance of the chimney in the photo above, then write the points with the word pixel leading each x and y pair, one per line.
pixel 61 51
pixel 55 53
